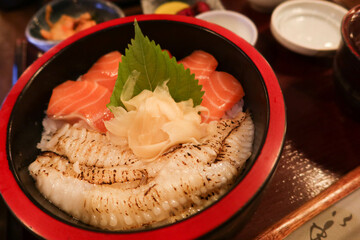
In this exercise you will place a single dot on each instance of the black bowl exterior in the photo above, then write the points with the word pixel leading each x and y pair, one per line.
pixel 181 36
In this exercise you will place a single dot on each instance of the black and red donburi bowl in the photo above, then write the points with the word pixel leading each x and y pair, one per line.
pixel 24 108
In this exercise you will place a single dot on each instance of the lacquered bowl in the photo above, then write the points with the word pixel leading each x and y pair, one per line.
pixel 24 108
pixel 347 59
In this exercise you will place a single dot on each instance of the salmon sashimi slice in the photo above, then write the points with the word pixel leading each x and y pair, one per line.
pixel 200 63
pixel 222 92
pixel 76 101
pixel 105 70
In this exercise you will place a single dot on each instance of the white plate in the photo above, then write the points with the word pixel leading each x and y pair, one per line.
pixel 308 27
pixel 233 21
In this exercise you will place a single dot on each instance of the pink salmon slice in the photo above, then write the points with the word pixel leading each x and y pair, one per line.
pixel 200 63
pixel 105 70
pixel 74 101
pixel 222 90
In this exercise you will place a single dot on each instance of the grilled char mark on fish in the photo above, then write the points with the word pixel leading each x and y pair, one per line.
pixel 87 147
pixel 179 183
pixel 93 175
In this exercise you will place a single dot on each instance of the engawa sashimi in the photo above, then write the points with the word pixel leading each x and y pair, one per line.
pixel 74 101
pixel 105 70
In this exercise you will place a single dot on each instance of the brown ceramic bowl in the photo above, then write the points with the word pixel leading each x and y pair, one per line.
pixel 347 59
pixel 24 108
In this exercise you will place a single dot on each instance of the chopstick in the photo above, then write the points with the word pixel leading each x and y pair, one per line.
pixel 20 59
pixel 343 187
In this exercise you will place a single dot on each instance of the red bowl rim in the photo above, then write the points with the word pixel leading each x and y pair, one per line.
pixel 50 228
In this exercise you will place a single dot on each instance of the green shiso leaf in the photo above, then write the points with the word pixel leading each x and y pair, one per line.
pixel 155 66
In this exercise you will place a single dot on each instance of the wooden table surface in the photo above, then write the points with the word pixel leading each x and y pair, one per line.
pixel 322 142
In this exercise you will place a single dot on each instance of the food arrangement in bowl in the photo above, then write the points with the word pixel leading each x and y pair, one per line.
pixel 140 138
pixel 66 26
pixel 158 160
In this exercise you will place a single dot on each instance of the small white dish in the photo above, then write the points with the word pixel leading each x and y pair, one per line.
pixel 233 21
pixel 308 27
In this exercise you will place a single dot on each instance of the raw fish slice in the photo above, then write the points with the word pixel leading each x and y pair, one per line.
pixel 200 63
pixel 221 89
pixel 105 70
pixel 222 92
pixel 191 177
pixel 74 101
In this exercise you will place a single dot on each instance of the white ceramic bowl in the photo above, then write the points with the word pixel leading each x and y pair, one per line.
pixel 233 21
pixel 308 27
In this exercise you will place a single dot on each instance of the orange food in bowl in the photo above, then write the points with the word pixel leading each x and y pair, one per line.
pixel 66 26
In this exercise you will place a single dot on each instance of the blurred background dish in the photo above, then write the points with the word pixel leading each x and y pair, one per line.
pixel 150 6
pixel 233 21
pixel 264 5
pixel 347 59
pixel 172 7
pixel 99 10
pixel 308 27
pixel 348 3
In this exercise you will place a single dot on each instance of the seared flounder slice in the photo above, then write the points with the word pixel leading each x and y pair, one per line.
pixel 137 194
pixel 86 147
